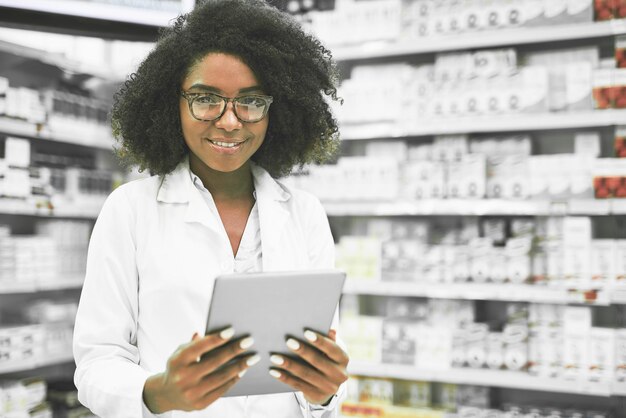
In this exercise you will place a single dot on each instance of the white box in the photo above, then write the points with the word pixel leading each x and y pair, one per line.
pixel 603 261
pixel 17 152
pixel 601 355
pixel 620 355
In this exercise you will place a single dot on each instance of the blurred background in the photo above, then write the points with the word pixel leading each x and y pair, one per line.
pixel 478 204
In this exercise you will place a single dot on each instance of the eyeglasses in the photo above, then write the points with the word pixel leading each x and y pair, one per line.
pixel 210 106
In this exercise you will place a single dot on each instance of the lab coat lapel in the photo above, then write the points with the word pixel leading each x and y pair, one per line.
pixel 178 187
pixel 273 217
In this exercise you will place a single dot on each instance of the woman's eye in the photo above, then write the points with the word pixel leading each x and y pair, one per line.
pixel 211 100
pixel 251 101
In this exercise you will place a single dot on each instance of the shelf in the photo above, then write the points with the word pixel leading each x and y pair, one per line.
pixel 557 294
pixel 51 285
pixel 484 39
pixel 95 139
pixel 486 123
pixel 477 207
pixel 88 210
pixel 47 360
pixel 97 10
pixel 484 377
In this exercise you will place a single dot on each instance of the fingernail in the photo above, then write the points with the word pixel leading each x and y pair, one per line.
pixel 227 334
pixel 277 360
pixel 275 373
pixel 246 343
pixel 293 344
pixel 194 336
pixel 253 360
pixel 310 335
pixel 241 373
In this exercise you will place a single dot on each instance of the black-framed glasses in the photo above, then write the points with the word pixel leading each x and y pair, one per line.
pixel 210 106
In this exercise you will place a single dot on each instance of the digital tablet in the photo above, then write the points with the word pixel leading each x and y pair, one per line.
pixel 270 306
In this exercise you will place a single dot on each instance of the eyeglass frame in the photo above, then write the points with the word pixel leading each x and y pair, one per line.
pixel 190 97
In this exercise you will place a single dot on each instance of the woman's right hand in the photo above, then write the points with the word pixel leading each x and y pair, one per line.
pixel 194 377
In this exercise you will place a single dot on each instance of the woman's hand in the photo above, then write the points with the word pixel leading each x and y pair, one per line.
pixel 197 373
pixel 321 373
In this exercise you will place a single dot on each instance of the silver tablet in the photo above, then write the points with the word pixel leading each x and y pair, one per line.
pixel 270 306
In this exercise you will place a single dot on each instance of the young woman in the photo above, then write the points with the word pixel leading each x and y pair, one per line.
pixel 232 97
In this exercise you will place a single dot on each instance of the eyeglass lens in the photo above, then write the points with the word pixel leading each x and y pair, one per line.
pixel 247 108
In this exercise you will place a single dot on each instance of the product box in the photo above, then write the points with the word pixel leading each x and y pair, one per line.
pixel 459 348
pixel 603 92
pixel 476 344
pixel 604 9
pixel 434 347
pixel 577 236
pixel 575 356
pixel 360 257
pixel 578 86
pixel 532 91
pixel 467 177
pixel 363 337
pixel 399 341
pixel 411 393
pixel 620 51
pixel 603 259
pixel 588 144
pixel 620 262
pixel 609 178
pixel 375 391
pixel 601 354
pixel 473 396
pixel 516 346
pixel 620 355
pixel 495 350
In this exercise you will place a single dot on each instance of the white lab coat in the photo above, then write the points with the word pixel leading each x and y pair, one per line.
pixel 153 256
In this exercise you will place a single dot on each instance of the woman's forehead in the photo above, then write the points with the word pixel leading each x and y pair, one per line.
pixel 221 72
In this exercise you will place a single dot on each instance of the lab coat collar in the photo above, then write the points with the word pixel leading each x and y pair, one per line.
pixel 178 187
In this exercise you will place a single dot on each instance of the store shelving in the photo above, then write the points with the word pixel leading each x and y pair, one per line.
pixel 58 284
pixel 484 377
pixel 101 11
pixel 477 207
pixel 595 295
pixel 482 39
pixel 487 123
pixel 9 126
pixel 30 364
pixel 87 210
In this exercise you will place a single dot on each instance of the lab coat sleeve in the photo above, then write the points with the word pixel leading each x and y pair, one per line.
pixel 322 256
pixel 108 376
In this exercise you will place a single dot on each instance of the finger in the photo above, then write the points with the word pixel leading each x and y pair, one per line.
pixel 214 395
pixel 220 356
pixel 217 379
pixel 190 353
pixel 299 385
pixel 320 361
pixel 304 372
pixel 327 346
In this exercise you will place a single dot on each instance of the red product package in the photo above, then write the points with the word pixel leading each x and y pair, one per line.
pixel 606 9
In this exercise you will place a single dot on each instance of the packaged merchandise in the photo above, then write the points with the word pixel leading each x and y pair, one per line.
pixel 587 144
pixel 363 337
pixel 359 257
pixel 601 354
pixel 620 355
pixel 376 391
pixel 400 337
pixel 603 259
pixel 604 9
pixel 476 343
pixel 434 347
pixel 609 178
pixel 411 393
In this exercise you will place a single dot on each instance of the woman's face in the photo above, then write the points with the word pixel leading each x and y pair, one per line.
pixel 212 142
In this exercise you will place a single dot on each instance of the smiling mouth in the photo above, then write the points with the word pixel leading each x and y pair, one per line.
pixel 225 144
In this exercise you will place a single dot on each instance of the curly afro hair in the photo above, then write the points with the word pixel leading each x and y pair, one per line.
pixel 291 65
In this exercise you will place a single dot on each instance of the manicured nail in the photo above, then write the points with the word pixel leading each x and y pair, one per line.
pixel 293 344
pixel 310 335
pixel 227 334
pixel 253 360
pixel 275 373
pixel 241 373
pixel 277 360
pixel 194 336
pixel 246 343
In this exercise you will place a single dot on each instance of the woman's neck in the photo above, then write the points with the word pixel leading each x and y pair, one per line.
pixel 234 185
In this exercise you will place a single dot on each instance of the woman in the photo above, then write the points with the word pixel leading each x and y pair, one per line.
pixel 232 96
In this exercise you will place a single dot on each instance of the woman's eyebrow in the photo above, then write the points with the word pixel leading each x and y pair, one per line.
pixel 199 86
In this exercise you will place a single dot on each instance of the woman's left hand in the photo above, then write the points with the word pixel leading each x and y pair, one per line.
pixel 321 373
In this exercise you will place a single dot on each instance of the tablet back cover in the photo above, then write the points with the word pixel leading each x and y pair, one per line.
pixel 270 306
